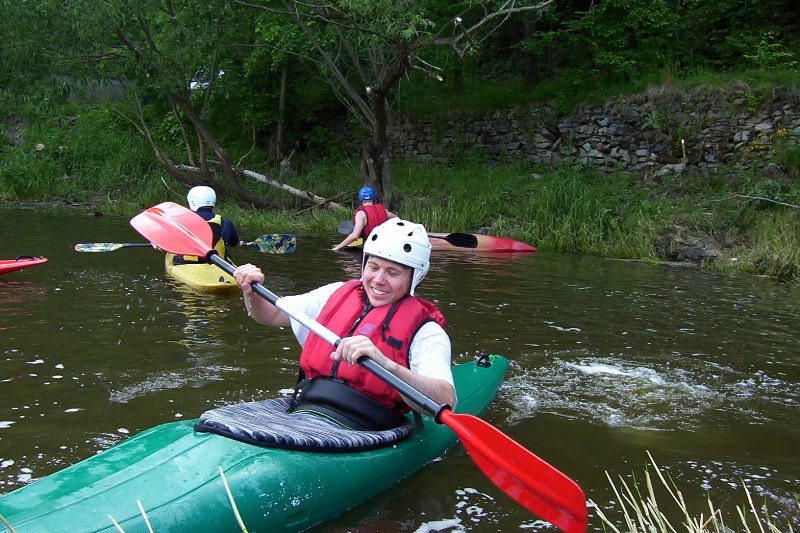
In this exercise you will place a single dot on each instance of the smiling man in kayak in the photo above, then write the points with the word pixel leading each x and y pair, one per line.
pixel 378 317
pixel 366 217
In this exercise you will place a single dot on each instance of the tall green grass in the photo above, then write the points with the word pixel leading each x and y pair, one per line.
pixel 638 510
pixel 81 153
pixel 567 209
pixel 775 249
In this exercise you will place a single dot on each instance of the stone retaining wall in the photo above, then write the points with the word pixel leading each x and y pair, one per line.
pixel 695 131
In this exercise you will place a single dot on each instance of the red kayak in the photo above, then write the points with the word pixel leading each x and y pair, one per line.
pixel 23 261
pixel 465 242
pixel 478 243
pixel 475 242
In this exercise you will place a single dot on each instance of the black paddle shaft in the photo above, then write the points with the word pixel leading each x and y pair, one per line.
pixel 398 384
pixel 459 240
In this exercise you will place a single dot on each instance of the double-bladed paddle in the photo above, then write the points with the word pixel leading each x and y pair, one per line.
pixel 532 482
pixel 109 246
pixel 273 243
pixel 460 240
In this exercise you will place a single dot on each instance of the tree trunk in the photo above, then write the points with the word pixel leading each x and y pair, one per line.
pixel 376 171
pixel 531 71
pixel 280 136
pixel 376 168
pixel 458 75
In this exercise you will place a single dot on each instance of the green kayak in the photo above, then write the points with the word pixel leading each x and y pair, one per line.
pixel 173 471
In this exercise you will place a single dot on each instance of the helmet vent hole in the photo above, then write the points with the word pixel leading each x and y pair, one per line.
pixel 406 247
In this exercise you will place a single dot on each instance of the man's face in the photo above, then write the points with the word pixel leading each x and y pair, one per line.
pixel 385 281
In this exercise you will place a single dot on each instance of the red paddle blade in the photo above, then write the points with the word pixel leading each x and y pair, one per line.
pixel 529 480
pixel 174 229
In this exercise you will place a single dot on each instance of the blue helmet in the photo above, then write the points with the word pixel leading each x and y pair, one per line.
pixel 366 193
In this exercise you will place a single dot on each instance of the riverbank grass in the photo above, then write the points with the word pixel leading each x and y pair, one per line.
pixel 640 512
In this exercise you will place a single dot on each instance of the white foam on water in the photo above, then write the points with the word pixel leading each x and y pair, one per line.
pixel 477 508
pixel 649 395
pixel 537 525
pixel 451 524
pixel 600 369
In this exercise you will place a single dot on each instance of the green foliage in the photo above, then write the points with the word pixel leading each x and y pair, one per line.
pixel 786 149
pixel 573 210
pixel 625 37
pixel 28 174
pixel 767 53
pixel 653 120
pixel 321 141
pixel 716 34
pixel 80 154
pixel 775 250
pixel 425 97
pixel 396 19
pixel 252 222
pixel 752 100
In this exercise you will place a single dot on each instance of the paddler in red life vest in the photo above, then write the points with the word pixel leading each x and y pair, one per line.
pixel 366 217
pixel 202 200
pixel 377 316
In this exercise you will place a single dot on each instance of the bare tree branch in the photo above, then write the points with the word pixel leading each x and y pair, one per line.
pixel 746 197
pixel 277 184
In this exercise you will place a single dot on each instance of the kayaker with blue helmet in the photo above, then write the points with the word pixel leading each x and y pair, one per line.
pixel 367 216
pixel 202 200
pixel 377 316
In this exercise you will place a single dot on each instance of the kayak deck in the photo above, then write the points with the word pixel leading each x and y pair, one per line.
pixel 202 276
pixel 175 473
pixel 23 261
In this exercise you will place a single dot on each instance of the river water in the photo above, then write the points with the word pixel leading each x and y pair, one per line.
pixel 611 362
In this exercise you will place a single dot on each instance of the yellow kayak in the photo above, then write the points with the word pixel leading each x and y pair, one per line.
pixel 202 276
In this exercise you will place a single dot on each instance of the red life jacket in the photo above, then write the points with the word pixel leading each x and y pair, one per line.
pixel 376 215
pixel 391 327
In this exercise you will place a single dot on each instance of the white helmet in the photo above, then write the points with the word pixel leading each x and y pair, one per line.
pixel 403 242
pixel 201 196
